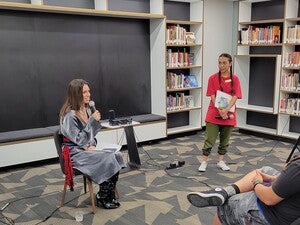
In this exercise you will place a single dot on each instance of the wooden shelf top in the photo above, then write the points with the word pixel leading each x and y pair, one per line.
pixel 262 45
pixel 262 22
pixel 183 45
pixel 77 11
pixel 293 19
pixel 290 91
pixel 291 43
pixel 184 22
pixel 259 55
pixel 183 67
pixel 182 89
pixel 182 110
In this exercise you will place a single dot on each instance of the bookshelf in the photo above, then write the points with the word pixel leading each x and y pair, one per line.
pixel 258 64
pixel 183 58
pixel 289 117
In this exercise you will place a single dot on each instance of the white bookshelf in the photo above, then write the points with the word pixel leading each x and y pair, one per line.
pixel 195 25
pixel 287 121
pixel 250 57
pixel 242 68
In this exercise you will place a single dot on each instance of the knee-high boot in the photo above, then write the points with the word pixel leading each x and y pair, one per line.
pixel 113 180
pixel 103 197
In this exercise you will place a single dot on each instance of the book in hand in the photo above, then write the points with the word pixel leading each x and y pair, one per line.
pixel 222 100
pixel 108 147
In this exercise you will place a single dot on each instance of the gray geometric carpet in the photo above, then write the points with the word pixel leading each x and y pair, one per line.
pixel 150 195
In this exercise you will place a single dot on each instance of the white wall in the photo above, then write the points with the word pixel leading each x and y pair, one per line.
pixel 219 30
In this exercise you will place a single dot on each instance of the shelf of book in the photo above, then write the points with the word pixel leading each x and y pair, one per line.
pixel 183 67
pixel 289 98
pixel 182 110
pixel 183 89
pixel 258 63
pixel 183 46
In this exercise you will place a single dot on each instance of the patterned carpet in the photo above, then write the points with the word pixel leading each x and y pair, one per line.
pixel 150 195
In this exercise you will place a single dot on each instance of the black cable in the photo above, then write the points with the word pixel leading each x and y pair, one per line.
pixel 11 221
pixel 6 220
pixel 166 171
pixel 55 210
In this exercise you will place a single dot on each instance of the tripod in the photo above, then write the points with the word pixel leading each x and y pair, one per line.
pixel 296 146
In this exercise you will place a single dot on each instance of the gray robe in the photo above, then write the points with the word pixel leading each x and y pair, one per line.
pixel 99 166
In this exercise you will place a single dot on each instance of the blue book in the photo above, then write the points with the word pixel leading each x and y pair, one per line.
pixel 191 81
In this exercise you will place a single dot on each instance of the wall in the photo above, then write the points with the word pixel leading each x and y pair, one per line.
pixel 219 30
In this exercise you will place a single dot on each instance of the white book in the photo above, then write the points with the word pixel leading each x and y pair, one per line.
pixel 108 147
pixel 222 100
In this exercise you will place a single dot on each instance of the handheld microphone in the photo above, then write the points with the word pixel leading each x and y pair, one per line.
pixel 92 106
pixel 230 116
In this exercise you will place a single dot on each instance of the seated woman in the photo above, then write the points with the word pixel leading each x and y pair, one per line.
pixel 79 127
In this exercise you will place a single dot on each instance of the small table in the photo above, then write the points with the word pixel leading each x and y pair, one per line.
pixel 134 158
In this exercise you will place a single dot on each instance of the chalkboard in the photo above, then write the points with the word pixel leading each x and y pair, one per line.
pixel 41 52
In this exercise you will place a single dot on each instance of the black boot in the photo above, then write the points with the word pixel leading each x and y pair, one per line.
pixel 103 197
pixel 113 196
pixel 113 181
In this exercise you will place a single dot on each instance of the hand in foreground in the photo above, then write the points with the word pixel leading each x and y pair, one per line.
pixel 266 177
pixel 257 176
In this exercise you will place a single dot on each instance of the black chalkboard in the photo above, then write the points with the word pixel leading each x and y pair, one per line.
pixel 41 52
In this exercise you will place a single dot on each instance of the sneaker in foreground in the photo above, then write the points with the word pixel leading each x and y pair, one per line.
pixel 202 167
pixel 222 165
pixel 214 197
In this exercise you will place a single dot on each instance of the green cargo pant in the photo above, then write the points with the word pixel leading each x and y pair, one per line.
pixel 212 132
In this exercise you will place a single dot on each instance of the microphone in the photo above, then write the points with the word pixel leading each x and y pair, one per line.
pixel 92 106
pixel 230 116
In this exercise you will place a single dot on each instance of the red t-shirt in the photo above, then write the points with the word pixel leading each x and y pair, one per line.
pixel 212 87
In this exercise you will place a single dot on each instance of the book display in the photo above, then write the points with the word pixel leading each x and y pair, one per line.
pixel 289 114
pixel 267 63
pixel 258 63
pixel 183 65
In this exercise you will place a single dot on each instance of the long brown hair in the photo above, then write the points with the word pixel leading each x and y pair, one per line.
pixel 74 96
pixel 226 55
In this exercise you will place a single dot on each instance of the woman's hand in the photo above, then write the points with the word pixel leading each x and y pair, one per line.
pixel 96 115
pixel 223 113
pixel 90 148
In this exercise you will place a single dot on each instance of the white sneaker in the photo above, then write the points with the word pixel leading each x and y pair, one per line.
pixel 202 167
pixel 222 165
pixel 213 197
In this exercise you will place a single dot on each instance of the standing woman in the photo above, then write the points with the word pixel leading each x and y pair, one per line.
pixel 220 121
pixel 79 127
